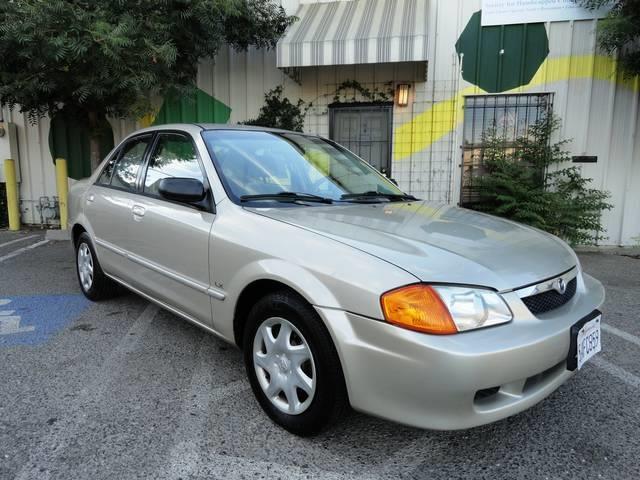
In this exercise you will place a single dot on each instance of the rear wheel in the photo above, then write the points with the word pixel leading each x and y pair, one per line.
pixel 93 282
pixel 292 364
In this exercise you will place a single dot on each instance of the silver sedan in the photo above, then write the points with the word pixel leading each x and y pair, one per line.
pixel 340 289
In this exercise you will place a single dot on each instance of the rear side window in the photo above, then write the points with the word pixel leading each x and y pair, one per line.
pixel 174 156
pixel 131 158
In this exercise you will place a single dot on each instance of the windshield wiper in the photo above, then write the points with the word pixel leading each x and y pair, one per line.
pixel 286 197
pixel 372 195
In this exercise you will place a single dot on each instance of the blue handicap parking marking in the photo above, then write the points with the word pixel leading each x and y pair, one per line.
pixel 33 319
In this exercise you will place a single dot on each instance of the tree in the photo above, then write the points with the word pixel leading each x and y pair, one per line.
pixel 620 31
pixel 525 182
pixel 97 59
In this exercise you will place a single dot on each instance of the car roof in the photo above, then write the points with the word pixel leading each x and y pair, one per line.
pixel 229 126
pixel 217 126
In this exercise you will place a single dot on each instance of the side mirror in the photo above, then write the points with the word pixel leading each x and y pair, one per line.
pixel 186 190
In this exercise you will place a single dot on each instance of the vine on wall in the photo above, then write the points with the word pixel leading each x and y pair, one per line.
pixel 353 88
pixel 280 112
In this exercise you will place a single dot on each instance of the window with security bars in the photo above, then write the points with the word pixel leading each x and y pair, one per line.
pixel 510 116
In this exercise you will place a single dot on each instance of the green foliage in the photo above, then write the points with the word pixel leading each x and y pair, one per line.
pixel 356 87
pixel 111 57
pixel 620 31
pixel 524 182
pixel 279 112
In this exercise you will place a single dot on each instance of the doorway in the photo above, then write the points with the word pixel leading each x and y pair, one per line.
pixel 365 129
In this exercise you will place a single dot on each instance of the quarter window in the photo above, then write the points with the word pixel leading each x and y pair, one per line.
pixel 126 170
pixel 105 176
pixel 174 156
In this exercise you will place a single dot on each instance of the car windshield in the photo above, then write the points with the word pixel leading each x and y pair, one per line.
pixel 293 167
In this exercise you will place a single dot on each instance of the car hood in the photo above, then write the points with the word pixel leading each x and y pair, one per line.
pixel 439 243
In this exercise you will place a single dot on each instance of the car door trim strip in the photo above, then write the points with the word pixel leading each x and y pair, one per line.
pixel 166 306
pixel 201 287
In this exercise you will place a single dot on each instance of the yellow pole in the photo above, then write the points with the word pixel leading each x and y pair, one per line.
pixel 63 189
pixel 12 194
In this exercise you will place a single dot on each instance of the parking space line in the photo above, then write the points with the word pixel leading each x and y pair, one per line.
pixel 185 459
pixel 22 239
pixel 231 466
pixel 54 445
pixel 618 372
pixel 622 334
pixel 184 456
pixel 20 251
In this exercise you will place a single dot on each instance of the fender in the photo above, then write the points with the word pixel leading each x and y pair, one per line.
pixel 299 279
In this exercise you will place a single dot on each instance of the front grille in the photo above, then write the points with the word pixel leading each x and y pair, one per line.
pixel 546 301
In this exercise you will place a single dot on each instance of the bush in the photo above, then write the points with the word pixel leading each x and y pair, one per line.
pixel 279 112
pixel 523 181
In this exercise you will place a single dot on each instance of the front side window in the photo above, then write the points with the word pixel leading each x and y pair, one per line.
pixel 260 163
pixel 174 156
pixel 126 170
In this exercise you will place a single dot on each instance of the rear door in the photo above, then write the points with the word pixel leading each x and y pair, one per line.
pixel 109 204
pixel 170 240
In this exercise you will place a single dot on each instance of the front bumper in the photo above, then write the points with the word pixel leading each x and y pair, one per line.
pixel 463 380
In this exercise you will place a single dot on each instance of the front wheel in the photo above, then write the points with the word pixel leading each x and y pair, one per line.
pixel 292 364
pixel 93 282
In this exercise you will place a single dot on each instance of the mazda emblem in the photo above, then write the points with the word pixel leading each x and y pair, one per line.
pixel 560 286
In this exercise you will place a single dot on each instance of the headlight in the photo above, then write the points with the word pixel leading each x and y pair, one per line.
pixel 444 309
pixel 474 307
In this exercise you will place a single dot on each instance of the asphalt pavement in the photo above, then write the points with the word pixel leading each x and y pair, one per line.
pixel 122 389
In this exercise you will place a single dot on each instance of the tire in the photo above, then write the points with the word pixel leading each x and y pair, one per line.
pixel 95 285
pixel 271 371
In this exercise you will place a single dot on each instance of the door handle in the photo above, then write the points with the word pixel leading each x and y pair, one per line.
pixel 138 211
pixel 91 198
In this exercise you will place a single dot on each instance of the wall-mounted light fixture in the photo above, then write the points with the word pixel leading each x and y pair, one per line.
pixel 402 94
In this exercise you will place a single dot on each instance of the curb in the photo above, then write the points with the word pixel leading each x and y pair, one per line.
pixel 630 251
pixel 58 235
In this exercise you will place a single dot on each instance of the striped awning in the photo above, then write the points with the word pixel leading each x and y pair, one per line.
pixel 354 32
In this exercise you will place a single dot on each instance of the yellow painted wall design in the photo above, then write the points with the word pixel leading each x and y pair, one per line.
pixel 444 117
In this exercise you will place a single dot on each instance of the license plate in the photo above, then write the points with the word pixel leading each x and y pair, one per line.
pixel 584 340
pixel 588 341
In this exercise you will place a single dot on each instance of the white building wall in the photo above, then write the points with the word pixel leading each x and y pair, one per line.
pixel 600 115
pixel 37 171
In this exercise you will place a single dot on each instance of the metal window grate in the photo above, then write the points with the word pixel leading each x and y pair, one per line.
pixel 510 115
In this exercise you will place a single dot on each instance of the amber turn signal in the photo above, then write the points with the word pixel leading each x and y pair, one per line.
pixel 417 307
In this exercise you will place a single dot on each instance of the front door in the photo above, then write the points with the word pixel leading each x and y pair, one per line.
pixel 169 239
pixel 365 130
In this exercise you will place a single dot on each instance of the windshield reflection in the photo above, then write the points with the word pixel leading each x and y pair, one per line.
pixel 261 163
